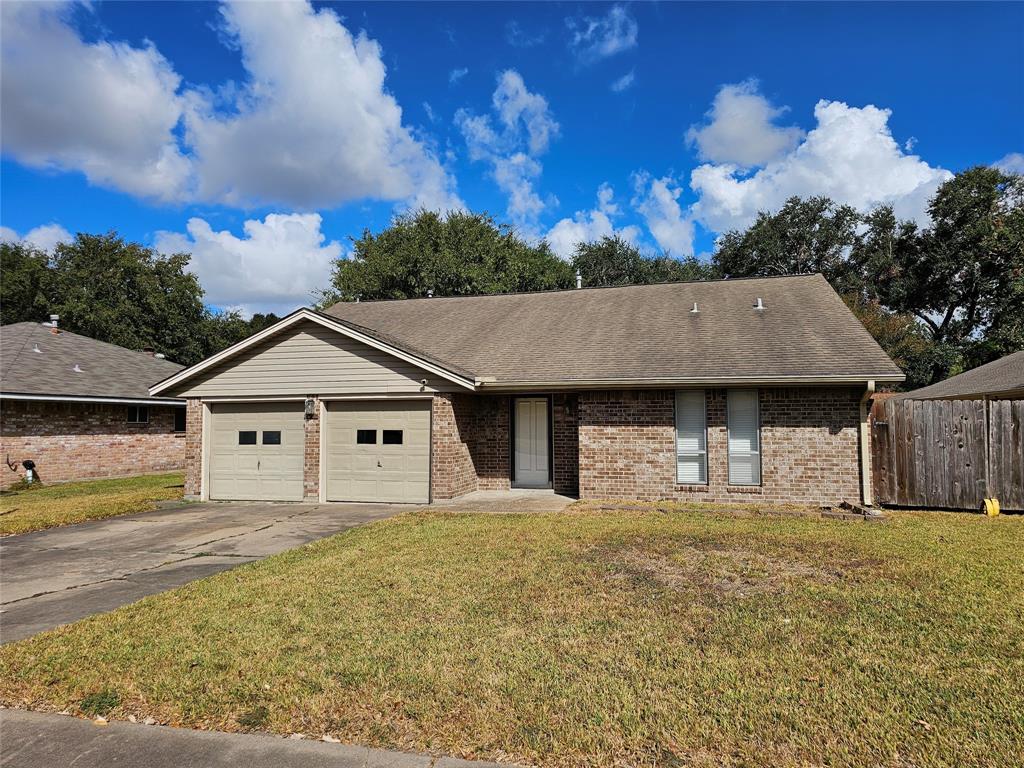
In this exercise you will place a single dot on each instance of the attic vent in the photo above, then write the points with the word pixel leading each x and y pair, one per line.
pixel 77 368
pixel 694 311
pixel 430 293
pixel 759 304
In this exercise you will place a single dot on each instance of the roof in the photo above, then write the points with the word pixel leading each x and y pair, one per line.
pixel 637 333
pixel 106 371
pixel 1000 378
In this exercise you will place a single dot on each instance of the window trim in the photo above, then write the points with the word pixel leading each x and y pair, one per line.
pixel 757 434
pixel 140 410
pixel 701 454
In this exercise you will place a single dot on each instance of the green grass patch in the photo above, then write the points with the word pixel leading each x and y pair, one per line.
pixel 586 638
pixel 35 507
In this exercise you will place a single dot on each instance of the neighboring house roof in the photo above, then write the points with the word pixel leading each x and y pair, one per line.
pixel 36 362
pixel 637 333
pixel 1000 378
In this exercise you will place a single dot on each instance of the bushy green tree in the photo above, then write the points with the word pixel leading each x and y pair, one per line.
pixel 454 255
pixel 615 261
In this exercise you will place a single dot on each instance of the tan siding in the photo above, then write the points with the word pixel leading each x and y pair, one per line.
pixel 309 359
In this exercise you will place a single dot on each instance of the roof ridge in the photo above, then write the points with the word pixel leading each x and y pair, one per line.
pixel 587 288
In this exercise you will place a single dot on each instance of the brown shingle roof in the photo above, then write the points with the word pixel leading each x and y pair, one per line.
pixel 106 370
pixel 637 332
pixel 1000 378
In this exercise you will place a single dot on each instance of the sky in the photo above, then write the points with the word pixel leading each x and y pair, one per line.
pixel 263 137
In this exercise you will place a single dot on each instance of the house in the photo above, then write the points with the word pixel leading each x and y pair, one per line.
pixel 80 408
pixel 1002 379
pixel 716 391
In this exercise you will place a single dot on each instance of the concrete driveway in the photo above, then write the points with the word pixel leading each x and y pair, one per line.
pixel 64 574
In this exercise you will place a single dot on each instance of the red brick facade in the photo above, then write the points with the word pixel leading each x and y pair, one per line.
pixel 809 446
pixel 193 447
pixel 83 441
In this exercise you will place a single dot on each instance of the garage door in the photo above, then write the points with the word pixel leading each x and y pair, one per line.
pixel 256 451
pixel 378 451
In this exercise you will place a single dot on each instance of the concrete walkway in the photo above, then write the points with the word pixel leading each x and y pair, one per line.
pixel 36 740
pixel 515 501
pixel 53 577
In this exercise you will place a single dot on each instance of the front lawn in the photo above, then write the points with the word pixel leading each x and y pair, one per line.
pixel 585 638
pixel 33 508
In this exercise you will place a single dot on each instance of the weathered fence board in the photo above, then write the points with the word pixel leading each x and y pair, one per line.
pixel 948 453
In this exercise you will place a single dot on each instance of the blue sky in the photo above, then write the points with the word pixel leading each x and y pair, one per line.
pixel 260 137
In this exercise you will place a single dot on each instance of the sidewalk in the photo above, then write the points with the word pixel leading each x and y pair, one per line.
pixel 38 740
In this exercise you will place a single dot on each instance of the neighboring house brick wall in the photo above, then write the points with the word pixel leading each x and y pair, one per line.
pixel 311 454
pixel 809 446
pixel 84 441
pixel 193 447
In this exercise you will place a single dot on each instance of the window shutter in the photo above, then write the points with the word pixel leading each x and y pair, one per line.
pixel 691 437
pixel 744 438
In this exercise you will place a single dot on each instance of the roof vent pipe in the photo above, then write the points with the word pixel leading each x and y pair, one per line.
pixel 430 293
pixel 579 279
pixel 694 311
pixel 54 319
pixel 36 349
pixel 759 304
pixel 77 368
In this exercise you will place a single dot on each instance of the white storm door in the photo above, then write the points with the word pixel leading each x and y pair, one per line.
pixel 531 442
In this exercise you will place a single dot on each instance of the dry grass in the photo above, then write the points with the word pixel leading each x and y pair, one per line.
pixel 588 638
pixel 34 508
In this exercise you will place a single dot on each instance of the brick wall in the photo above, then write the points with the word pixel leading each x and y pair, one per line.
pixel 311 454
pixel 452 472
pixel 82 441
pixel 193 447
pixel 565 444
pixel 809 446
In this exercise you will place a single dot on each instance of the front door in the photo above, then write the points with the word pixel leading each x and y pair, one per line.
pixel 531 442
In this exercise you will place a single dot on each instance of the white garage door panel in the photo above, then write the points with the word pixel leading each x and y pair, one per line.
pixel 377 471
pixel 262 471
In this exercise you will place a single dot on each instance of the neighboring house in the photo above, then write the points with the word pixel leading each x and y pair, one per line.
pixel 718 391
pixel 1002 379
pixel 80 408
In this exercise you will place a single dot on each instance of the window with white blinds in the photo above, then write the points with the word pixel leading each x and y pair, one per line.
pixel 744 437
pixel 691 437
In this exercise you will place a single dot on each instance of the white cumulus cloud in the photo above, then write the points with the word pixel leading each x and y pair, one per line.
pixel 1011 163
pixel 594 38
pixel 525 129
pixel 657 200
pixel 107 110
pixel 849 156
pixel 44 237
pixel 587 226
pixel 274 267
pixel 741 129
pixel 311 124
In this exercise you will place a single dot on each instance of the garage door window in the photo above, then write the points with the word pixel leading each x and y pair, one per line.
pixel 392 437
pixel 247 438
pixel 366 437
pixel 271 438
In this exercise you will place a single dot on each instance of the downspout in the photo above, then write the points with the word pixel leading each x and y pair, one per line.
pixel 865 445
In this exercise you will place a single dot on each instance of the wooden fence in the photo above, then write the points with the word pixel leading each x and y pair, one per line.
pixel 948 453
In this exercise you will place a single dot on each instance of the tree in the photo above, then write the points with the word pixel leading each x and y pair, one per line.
pixel 805 236
pixel 121 293
pixel 24 283
pixel 964 277
pixel 614 261
pixel 456 255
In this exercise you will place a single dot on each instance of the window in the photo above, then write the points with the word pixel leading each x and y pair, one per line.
pixel 271 438
pixel 691 438
pixel 391 437
pixel 744 438
pixel 138 414
pixel 247 437
pixel 179 419
pixel 366 437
